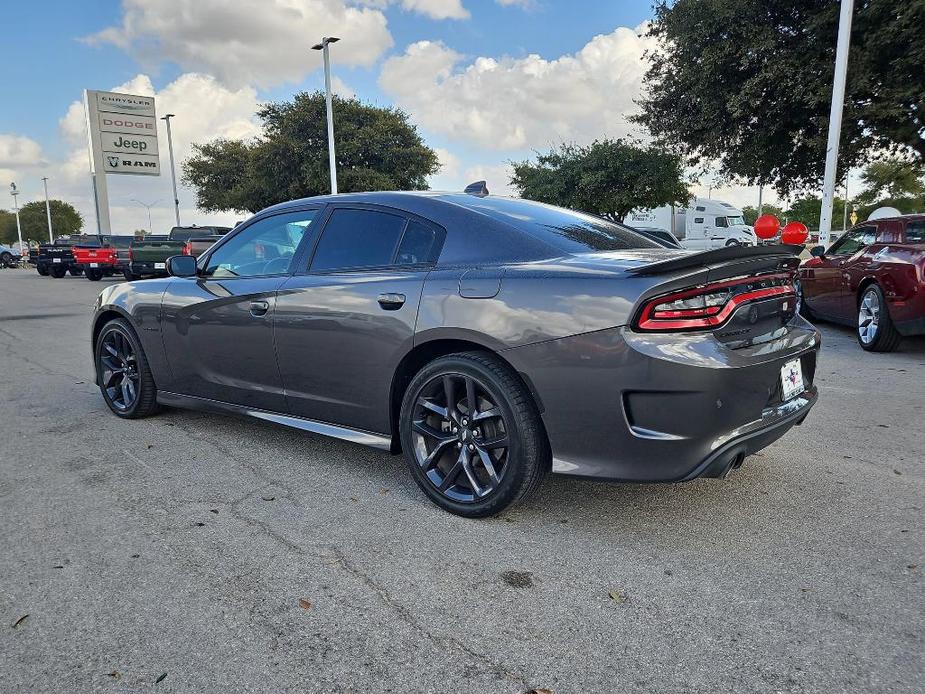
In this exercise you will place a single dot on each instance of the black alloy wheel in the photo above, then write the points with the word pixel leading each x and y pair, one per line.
pixel 94 274
pixel 122 372
pixel 471 434
pixel 6 259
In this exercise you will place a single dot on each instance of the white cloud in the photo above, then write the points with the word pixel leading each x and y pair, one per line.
pixel 438 9
pixel 19 151
pixel 248 42
pixel 526 4
pixel 435 9
pixel 518 103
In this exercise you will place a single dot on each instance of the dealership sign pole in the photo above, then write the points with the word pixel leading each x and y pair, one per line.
pixel 51 236
pixel 122 133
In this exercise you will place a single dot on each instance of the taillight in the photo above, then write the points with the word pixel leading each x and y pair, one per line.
pixel 710 305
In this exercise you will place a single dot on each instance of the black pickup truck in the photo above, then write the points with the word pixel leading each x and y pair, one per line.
pixel 56 259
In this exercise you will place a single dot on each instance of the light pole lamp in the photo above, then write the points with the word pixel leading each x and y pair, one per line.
pixel 173 172
pixel 150 230
pixel 51 236
pixel 14 192
pixel 323 46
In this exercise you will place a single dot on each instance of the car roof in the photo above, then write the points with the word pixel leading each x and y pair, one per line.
pixel 485 229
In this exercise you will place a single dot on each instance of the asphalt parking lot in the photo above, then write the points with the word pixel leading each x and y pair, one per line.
pixel 232 555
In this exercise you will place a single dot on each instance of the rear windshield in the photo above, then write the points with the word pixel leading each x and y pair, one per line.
pixel 121 241
pixel 572 232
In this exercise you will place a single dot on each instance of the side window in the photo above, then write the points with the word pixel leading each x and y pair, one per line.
pixel 358 238
pixel 264 248
pixel 701 209
pixel 915 232
pixel 721 222
pixel 420 244
pixel 853 241
pixel 698 220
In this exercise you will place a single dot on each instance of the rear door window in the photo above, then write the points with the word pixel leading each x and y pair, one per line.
pixel 355 238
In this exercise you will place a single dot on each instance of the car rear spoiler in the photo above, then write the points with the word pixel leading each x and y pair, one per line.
pixel 714 257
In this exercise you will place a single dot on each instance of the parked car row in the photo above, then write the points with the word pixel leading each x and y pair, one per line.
pixel 96 256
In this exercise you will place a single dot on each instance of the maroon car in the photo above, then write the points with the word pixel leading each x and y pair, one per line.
pixel 872 277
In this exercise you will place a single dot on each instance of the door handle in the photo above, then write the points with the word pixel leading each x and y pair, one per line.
pixel 259 308
pixel 391 302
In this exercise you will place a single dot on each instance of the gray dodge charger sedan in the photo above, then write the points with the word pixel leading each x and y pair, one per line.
pixel 490 340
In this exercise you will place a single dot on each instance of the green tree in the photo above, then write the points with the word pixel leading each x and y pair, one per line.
pixel 377 149
pixel 807 208
pixel 65 219
pixel 748 83
pixel 607 178
pixel 893 178
pixel 751 213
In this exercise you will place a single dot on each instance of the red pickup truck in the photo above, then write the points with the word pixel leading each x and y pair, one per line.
pixel 105 258
pixel 872 278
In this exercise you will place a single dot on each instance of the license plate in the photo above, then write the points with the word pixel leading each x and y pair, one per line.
pixel 94 264
pixel 56 260
pixel 791 379
pixel 160 266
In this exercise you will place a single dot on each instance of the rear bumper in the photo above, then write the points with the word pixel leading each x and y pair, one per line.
pixel 774 423
pixel 143 267
pixel 642 407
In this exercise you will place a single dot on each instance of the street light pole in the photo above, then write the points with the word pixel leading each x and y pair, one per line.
pixel 51 236
pixel 173 173
pixel 323 46
pixel 14 192
pixel 835 117
pixel 150 229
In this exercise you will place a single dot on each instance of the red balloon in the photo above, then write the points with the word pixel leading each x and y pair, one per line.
pixel 795 233
pixel 766 226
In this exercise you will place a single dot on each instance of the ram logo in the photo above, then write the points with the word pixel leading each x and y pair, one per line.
pixel 113 161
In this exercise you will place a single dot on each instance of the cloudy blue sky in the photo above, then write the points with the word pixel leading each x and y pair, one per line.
pixel 487 81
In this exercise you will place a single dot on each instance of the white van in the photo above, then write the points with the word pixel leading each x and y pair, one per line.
pixel 704 225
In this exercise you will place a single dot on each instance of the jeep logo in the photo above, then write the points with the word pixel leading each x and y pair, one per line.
pixel 137 145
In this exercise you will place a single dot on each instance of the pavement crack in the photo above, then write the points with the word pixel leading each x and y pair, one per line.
pixel 499 669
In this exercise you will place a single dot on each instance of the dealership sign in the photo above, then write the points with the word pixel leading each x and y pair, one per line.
pixel 123 133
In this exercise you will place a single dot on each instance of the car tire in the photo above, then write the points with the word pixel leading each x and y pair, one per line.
pixel 94 274
pixel 6 260
pixel 57 272
pixel 42 270
pixel 129 277
pixel 875 331
pixel 473 468
pixel 117 347
pixel 732 242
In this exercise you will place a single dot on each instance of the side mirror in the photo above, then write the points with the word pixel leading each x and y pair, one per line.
pixel 181 266
pixel 817 251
